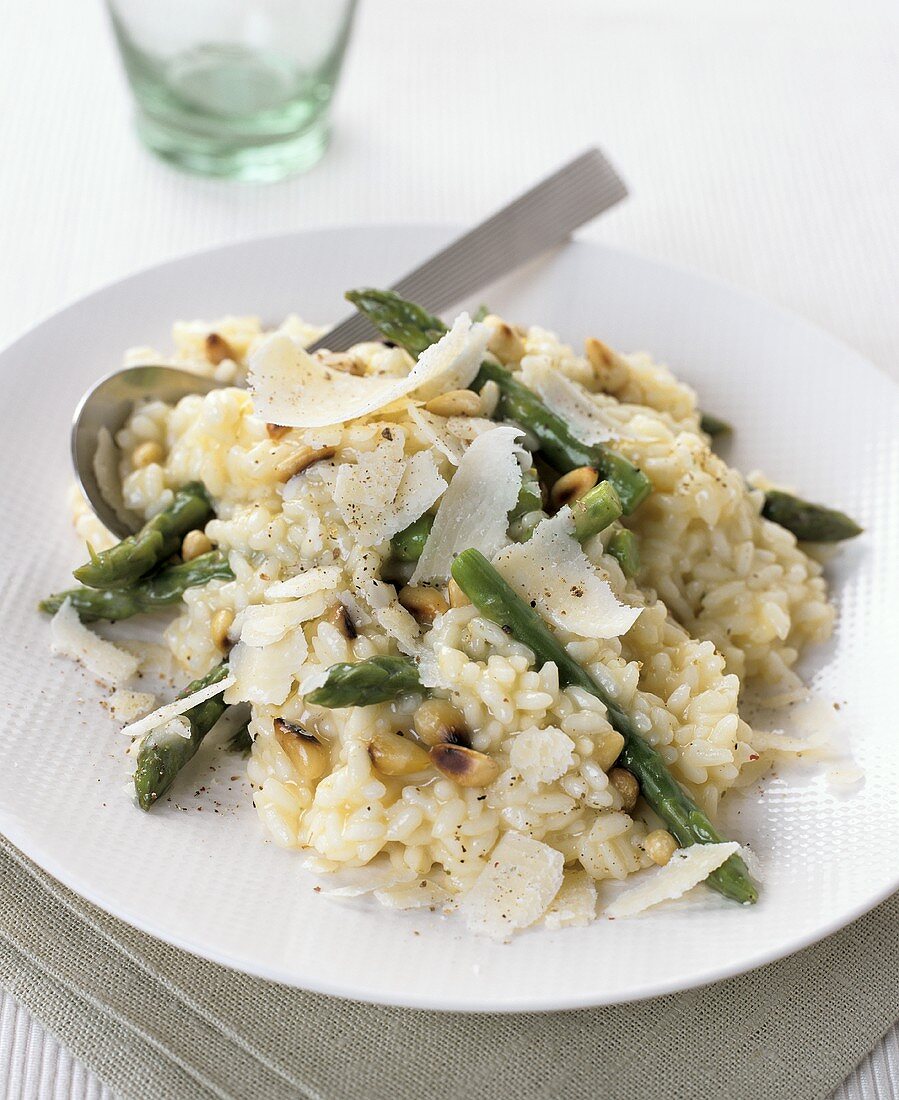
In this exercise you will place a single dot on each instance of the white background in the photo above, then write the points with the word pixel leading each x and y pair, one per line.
pixel 760 139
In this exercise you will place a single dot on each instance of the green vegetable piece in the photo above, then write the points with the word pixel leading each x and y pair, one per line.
pixel 530 498
pixel 480 313
pixel 409 544
pixel 162 589
pixel 808 522
pixel 375 680
pixel 558 445
pixel 713 425
pixel 241 742
pixel 623 547
pixel 162 755
pixel 398 321
pixel 689 825
pixel 157 540
pixel 595 510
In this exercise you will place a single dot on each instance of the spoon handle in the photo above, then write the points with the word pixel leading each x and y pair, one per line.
pixel 540 219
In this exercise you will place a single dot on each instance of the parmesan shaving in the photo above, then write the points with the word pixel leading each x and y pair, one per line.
pixel 414 895
pixel 293 388
pixel 69 637
pixel 686 869
pixel 568 400
pixel 324 578
pixel 552 569
pixel 383 492
pixel 514 890
pixel 474 509
pixel 575 904
pixel 265 674
pixel 266 623
pixel 128 705
pixel 176 708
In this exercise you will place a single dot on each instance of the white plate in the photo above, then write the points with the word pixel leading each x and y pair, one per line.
pixel 808 410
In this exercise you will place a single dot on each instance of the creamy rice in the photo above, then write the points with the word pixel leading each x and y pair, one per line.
pixel 728 598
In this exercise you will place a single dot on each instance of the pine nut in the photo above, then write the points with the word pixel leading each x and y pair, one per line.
pixel 395 755
pixel 626 786
pixel 504 342
pixel 301 459
pixel 194 544
pixel 424 603
pixel 147 453
pixel 660 846
pixel 611 369
pixel 218 349
pixel 609 749
pixel 456 596
pixel 219 626
pixel 573 485
pixel 339 616
pixel 455 403
pixel 467 767
pixel 438 722
pixel 308 756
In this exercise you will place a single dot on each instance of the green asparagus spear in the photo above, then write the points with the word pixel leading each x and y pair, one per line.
pixel 157 540
pixel 595 510
pixel 414 329
pixel 480 313
pixel 808 522
pixel 162 754
pixel 530 498
pixel 398 321
pixel 241 741
pixel 375 680
pixel 498 602
pixel 409 544
pixel 623 547
pixel 558 445
pixel 150 593
pixel 713 425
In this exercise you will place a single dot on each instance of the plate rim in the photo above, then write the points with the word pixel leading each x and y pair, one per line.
pixel 16 829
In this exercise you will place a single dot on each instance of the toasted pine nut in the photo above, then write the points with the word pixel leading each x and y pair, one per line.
pixel 276 431
pixel 219 626
pixel 424 603
pixel 504 342
pixel 467 767
pixel 609 749
pixel 572 486
pixel 194 544
pixel 301 459
pixel 306 753
pixel 218 349
pixel 660 846
pixel 489 395
pixel 455 403
pixel 456 596
pixel 628 787
pixel 438 722
pixel 611 369
pixel 395 755
pixel 147 453
pixel 339 616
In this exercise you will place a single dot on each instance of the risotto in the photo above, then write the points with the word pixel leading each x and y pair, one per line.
pixel 386 545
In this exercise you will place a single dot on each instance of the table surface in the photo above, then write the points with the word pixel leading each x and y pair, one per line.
pixel 760 141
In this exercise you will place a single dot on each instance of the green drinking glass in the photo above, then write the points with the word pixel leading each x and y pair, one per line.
pixel 234 88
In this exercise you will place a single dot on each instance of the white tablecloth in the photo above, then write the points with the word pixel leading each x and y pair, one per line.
pixel 760 139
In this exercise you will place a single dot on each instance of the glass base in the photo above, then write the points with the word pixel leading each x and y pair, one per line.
pixel 260 161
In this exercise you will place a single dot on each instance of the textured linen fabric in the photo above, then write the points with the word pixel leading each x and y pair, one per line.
pixel 155 1022
pixel 760 141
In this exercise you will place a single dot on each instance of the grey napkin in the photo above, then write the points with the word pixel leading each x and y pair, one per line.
pixel 154 1022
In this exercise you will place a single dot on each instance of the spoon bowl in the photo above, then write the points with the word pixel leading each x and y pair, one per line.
pixel 101 414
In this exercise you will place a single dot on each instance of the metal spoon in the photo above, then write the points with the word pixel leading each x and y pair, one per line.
pixel 540 219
